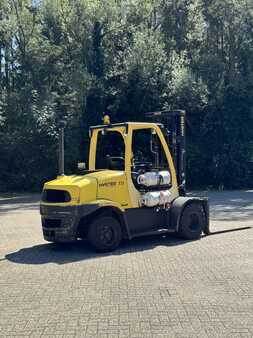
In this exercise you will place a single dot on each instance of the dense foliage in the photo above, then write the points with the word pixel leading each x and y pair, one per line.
pixel 70 60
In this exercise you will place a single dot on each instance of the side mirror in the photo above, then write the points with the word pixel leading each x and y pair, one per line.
pixel 81 165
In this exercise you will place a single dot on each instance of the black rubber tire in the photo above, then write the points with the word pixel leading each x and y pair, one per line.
pixel 192 221
pixel 105 234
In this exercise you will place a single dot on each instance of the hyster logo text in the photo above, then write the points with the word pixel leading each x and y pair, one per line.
pixel 110 184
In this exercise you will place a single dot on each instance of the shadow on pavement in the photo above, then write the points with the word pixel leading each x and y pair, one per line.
pixel 81 250
pixel 14 203
pixel 228 230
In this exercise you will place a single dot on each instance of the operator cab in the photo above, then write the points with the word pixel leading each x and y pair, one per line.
pixel 141 147
pixel 147 153
pixel 138 151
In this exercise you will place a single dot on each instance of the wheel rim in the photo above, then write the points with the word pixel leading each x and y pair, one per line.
pixel 194 222
pixel 106 235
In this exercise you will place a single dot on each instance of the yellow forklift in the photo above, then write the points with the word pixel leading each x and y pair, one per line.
pixel 134 186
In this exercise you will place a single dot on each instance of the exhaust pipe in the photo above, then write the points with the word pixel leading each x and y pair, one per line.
pixel 61 152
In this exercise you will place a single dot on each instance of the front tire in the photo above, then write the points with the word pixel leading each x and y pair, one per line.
pixel 105 234
pixel 192 221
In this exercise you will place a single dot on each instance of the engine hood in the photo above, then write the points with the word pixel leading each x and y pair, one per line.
pixel 84 188
pixel 75 184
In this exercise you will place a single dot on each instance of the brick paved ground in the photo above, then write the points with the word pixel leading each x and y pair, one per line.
pixel 150 287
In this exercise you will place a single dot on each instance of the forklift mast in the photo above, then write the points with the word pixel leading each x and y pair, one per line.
pixel 174 132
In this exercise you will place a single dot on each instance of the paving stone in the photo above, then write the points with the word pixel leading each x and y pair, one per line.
pixel 149 287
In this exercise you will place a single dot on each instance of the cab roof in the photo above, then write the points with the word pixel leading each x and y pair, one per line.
pixel 126 125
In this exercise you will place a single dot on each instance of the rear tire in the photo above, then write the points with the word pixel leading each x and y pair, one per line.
pixel 105 234
pixel 192 221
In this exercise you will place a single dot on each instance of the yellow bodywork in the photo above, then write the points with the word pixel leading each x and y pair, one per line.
pixel 103 187
pixel 110 187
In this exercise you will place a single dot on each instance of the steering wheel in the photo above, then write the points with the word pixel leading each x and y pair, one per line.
pixel 141 166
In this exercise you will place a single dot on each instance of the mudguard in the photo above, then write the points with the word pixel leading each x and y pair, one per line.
pixel 178 206
pixel 103 205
